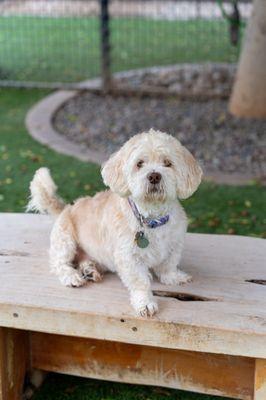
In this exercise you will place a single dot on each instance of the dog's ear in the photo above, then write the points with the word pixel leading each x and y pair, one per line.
pixel 113 174
pixel 188 173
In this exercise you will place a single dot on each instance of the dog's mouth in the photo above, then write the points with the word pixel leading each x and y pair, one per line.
pixel 155 192
pixel 154 189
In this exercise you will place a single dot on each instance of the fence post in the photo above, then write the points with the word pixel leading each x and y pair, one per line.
pixel 105 46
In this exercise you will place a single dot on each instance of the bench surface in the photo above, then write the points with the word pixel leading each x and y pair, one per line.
pixel 219 312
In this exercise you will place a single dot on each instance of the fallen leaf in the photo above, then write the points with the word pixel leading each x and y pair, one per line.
pixel 244 213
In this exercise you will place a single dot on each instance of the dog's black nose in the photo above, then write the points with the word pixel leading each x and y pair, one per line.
pixel 154 177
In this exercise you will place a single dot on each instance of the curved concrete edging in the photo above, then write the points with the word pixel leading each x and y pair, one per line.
pixel 39 123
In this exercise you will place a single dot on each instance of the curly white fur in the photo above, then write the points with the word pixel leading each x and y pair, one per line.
pixel 43 194
pixel 97 233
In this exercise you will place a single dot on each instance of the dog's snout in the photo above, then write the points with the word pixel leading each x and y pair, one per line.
pixel 154 177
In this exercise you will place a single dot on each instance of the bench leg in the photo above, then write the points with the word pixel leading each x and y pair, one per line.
pixel 13 363
pixel 260 379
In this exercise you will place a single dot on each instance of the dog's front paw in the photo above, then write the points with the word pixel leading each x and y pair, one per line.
pixel 72 278
pixel 148 310
pixel 144 305
pixel 177 277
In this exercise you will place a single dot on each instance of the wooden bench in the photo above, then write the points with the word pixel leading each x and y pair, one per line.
pixel 209 336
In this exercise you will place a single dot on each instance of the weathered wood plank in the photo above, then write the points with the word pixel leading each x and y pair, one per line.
pixel 14 353
pixel 135 330
pixel 232 321
pixel 260 380
pixel 204 373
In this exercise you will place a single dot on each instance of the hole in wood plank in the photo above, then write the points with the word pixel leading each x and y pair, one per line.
pixel 257 281
pixel 181 296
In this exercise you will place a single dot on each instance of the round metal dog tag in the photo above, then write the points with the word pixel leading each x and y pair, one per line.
pixel 141 240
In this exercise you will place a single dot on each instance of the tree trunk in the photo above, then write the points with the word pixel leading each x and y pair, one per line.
pixel 248 98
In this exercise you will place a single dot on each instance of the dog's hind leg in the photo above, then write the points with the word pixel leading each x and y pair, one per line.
pixel 89 269
pixel 63 250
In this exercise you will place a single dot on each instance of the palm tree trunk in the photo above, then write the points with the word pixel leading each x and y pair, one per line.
pixel 248 98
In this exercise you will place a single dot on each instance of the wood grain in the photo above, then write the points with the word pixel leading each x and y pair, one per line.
pixel 232 321
pixel 260 380
pixel 204 373
pixel 14 352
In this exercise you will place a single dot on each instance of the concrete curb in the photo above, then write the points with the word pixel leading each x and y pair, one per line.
pixel 39 123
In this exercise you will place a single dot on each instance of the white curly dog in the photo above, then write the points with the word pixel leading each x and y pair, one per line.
pixel 136 227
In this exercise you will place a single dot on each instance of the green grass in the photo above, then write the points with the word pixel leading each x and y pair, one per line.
pixel 67 49
pixel 69 388
pixel 217 209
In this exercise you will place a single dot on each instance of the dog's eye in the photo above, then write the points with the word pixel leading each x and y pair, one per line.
pixel 140 163
pixel 167 163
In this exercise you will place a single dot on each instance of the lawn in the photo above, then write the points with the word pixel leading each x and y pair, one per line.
pixel 72 388
pixel 217 209
pixel 67 49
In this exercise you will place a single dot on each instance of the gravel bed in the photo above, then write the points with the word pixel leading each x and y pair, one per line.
pixel 220 141
pixel 206 79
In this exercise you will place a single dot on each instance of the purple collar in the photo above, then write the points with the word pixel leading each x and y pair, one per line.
pixel 149 222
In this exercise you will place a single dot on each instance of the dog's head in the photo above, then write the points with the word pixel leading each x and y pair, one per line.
pixel 152 166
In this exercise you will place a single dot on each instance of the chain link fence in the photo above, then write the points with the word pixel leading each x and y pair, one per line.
pixel 59 43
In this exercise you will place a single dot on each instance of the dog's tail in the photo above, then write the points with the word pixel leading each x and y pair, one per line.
pixel 43 197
